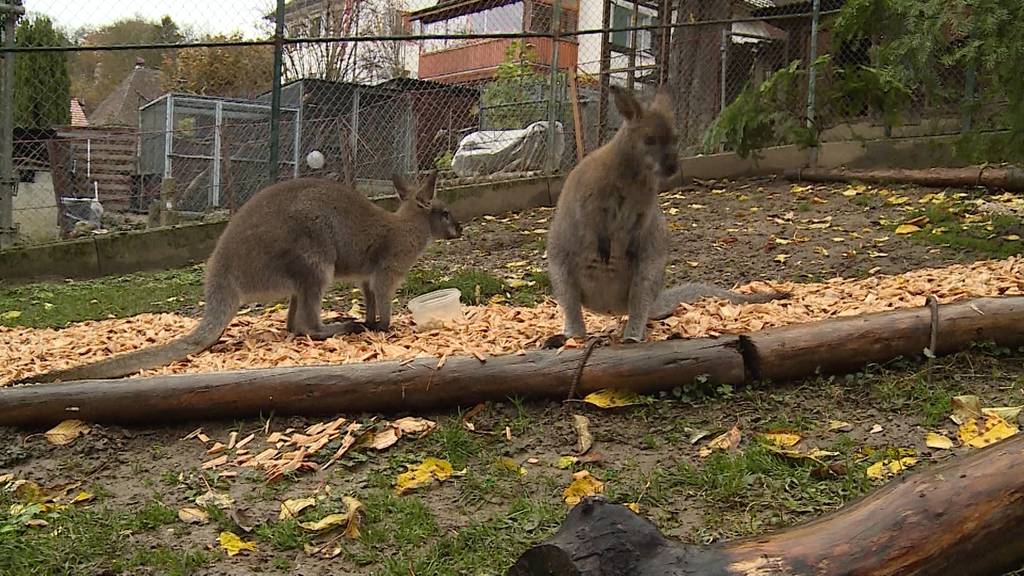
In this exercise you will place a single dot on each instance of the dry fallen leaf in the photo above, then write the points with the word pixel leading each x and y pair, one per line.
pixel 780 439
pixel 584 440
pixel 222 501
pixel 907 229
pixel 233 545
pixel 583 485
pixel 506 463
pixel 726 441
pixel 938 441
pixel 965 408
pixel 422 474
pixel 293 507
pixel 566 462
pixel 610 398
pixel 193 516
pixel 980 433
pixel 326 523
pixel 839 426
pixel 888 467
pixel 66 432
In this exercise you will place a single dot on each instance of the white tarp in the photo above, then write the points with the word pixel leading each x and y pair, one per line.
pixel 494 151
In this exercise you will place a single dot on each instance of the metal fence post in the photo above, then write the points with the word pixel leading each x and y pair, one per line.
pixel 556 10
pixel 275 97
pixel 812 74
pixel 10 11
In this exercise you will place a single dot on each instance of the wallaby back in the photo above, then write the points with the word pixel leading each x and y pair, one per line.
pixel 292 239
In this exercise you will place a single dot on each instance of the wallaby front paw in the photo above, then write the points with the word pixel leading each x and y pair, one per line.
pixel 554 342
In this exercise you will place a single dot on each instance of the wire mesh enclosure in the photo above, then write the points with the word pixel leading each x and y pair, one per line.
pixel 195 107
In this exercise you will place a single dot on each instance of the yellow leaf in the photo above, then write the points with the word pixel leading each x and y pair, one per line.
pixel 11 315
pixel 1011 237
pixel 1007 413
pixel 993 430
pixel 888 467
pixel 781 439
pixel 896 200
pixel 839 426
pixel 781 258
pixel 193 516
pixel 66 432
pixel 609 398
pixel 566 462
pixel 938 441
pixel 634 506
pixel 511 465
pixel 423 474
pixel 82 497
pixel 292 508
pixel 325 523
pixel 353 512
pixel 232 544
pixel 907 229
pixel 583 485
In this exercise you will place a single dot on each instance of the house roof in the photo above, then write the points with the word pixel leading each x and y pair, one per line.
pixel 78 118
pixel 121 107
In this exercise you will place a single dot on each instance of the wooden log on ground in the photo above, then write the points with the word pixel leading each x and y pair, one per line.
pixel 373 386
pixel 781 354
pixel 962 518
pixel 989 176
pixel 841 345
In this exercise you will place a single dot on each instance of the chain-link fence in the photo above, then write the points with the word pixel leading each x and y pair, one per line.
pixel 111 120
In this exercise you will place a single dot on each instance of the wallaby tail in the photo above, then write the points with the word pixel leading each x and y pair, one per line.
pixel 220 309
pixel 669 299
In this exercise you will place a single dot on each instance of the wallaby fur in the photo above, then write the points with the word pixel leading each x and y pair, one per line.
pixel 293 239
pixel 608 240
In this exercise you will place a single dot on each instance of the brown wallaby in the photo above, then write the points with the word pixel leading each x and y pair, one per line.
pixel 608 240
pixel 293 239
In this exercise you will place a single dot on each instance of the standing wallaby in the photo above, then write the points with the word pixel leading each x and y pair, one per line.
pixel 293 239
pixel 608 240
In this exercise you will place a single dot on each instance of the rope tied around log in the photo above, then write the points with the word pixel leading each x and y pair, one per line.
pixel 594 343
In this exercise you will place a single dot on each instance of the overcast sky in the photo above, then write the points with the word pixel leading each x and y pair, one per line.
pixel 204 16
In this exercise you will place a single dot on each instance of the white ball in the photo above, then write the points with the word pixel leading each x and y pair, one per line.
pixel 315 160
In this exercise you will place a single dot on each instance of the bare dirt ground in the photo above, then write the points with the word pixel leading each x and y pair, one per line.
pixel 512 491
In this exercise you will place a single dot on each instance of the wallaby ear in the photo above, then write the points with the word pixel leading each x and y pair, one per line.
pixel 662 102
pixel 401 186
pixel 428 186
pixel 626 103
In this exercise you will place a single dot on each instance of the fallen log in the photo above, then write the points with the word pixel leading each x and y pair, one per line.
pixel 989 176
pixel 372 386
pixel 843 345
pixel 959 518
pixel 780 354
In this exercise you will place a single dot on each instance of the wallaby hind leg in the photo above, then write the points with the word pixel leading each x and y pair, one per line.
pixel 309 297
pixel 643 290
pixel 383 290
pixel 293 307
pixel 370 304
pixel 567 293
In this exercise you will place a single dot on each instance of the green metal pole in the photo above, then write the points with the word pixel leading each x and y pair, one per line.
pixel 275 96
pixel 556 12
pixel 812 77
pixel 10 11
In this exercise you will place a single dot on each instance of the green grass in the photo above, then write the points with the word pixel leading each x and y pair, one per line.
pixel 953 232
pixel 88 540
pixel 55 304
